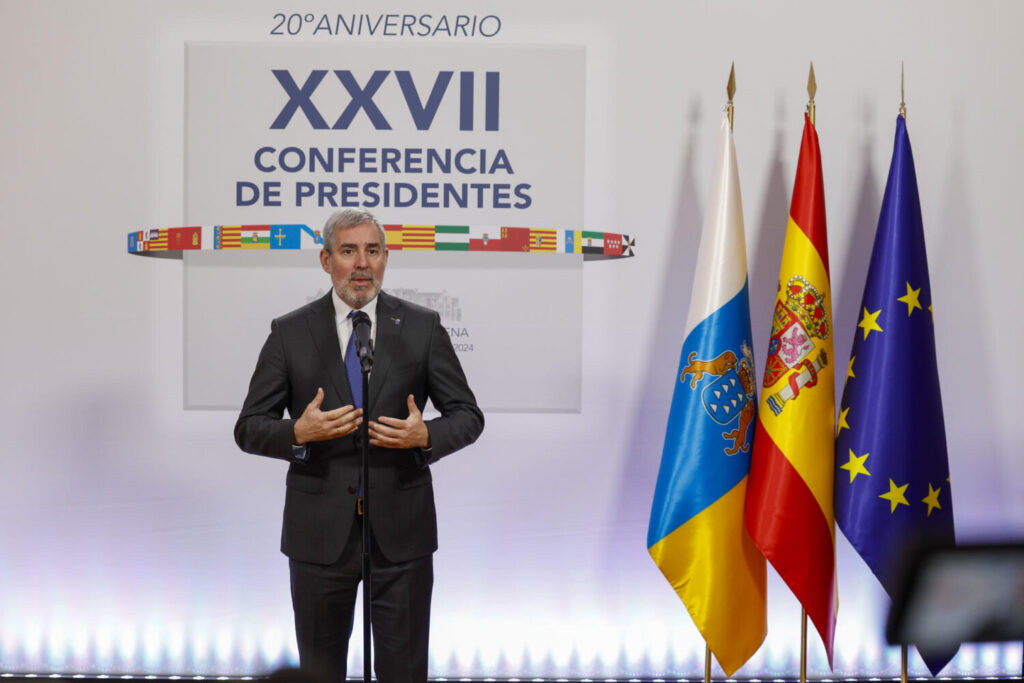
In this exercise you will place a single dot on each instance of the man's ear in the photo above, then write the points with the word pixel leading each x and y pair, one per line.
pixel 325 261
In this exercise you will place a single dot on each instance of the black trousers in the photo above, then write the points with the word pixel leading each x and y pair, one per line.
pixel 324 602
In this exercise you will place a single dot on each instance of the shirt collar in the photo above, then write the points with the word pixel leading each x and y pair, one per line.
pixel 342 309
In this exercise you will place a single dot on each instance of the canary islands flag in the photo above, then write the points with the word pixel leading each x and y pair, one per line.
pixel 789 502
pixel 892 479
pixel 696 535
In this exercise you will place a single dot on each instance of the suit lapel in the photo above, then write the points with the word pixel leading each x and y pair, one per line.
pixel 324 330
pixel 390 316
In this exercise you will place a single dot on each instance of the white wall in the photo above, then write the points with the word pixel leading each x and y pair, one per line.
pixel 135 537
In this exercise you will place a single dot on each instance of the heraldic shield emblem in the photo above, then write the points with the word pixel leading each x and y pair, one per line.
pixel 724 398
pixel 799 319
pixel 729 397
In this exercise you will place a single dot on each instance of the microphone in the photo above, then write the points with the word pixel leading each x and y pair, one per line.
pixel 364 345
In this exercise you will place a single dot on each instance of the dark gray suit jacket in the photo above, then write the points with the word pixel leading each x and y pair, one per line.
pixel 413 354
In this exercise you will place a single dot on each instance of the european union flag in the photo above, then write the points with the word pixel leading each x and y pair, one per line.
pixel 892 488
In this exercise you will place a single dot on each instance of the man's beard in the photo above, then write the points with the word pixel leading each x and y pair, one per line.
pixel 358 299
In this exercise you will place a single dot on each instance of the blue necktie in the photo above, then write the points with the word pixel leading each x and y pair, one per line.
pixel 353 370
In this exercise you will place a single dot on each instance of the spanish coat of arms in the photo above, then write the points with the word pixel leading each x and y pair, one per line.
pixel 799 318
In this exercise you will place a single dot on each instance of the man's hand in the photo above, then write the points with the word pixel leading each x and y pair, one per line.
pixel 317 425
pixel 394 433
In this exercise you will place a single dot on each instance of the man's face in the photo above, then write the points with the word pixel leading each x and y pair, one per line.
pixel 356 263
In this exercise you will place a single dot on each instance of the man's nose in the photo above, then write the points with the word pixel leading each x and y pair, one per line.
pixel 362 259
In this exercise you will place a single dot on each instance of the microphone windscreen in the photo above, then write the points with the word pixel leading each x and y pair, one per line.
pixel 360 318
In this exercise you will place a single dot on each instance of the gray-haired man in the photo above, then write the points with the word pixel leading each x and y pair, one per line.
pixel 302 370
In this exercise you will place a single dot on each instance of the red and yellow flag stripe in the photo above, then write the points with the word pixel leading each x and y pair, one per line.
pixel 410 237
pixel 543 239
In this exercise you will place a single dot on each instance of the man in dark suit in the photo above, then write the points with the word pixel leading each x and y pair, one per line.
pixel 302 369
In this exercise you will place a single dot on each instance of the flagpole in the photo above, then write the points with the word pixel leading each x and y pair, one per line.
pixel 903 113
pixel 730 90
pixel 812 88
pixel 803 645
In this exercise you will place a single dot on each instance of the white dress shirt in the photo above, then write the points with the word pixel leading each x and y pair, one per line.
pixel 344 323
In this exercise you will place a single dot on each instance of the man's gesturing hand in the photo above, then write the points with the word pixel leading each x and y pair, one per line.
pixel 317 425
pixel 394 433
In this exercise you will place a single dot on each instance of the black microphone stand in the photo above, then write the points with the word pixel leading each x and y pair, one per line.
pixel 366 362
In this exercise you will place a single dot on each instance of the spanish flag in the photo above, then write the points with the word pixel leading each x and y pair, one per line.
pixel 789 511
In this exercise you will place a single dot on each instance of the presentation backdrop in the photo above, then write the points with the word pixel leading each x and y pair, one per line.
pixel 137 538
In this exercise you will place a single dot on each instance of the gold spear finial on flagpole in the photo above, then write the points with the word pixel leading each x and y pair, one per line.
pixel 812 88
pixel 730 89
pixel 903 99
